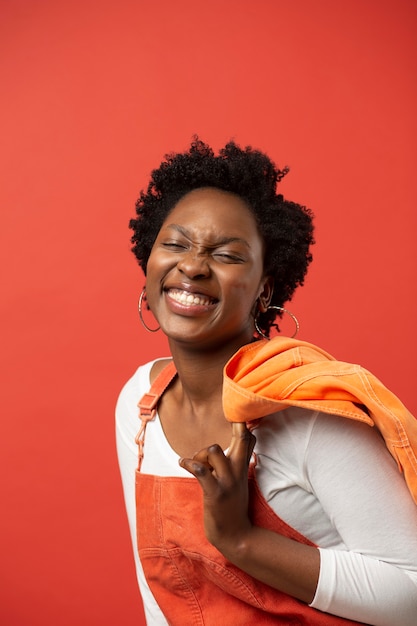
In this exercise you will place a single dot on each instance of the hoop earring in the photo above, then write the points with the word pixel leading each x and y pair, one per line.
pixel 279 308
pixel 140 303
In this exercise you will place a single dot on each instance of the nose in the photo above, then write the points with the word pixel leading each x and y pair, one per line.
pixel 194 265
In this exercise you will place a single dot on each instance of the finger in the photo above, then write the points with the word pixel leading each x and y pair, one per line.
pixel 195 466
pixel 203 473
pixel 242 444
pixel 203 456
pixel 214 458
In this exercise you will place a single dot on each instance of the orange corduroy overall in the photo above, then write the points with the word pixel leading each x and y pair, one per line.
pixel 190 579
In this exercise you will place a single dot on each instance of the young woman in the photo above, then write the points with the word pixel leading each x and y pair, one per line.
pixel 302 518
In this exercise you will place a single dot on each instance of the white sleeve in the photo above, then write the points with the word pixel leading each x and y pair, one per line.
pixel 373 580
pixel 127 426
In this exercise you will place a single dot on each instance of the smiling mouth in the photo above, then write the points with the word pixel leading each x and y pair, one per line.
pixel 189 299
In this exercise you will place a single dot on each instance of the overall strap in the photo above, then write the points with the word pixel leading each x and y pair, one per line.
pixel 149 402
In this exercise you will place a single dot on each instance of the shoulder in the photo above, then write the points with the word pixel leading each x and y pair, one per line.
pixel 291 420
pixel 297 435
pixel 284 436
pixel 127 422
pixel 157 367
pixel 139 383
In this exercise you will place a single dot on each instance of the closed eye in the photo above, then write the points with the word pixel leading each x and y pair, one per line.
pixel 174 245
pixel 227 257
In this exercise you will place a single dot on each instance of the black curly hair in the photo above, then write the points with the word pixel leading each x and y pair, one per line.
pixel 286 227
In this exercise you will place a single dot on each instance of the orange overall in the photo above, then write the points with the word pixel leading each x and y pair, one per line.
pixel 190 579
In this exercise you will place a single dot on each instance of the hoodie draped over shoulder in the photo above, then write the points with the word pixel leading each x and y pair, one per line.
pixel 267 376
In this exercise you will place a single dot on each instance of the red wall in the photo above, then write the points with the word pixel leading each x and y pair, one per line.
pixel 94 93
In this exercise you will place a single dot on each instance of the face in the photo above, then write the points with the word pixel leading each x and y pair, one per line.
pixel 205 271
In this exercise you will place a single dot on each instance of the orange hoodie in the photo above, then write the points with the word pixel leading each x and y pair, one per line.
pixel 267 376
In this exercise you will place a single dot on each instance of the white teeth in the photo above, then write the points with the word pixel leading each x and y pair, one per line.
pixel 188 298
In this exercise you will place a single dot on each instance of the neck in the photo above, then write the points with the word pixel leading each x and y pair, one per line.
pixel 201 372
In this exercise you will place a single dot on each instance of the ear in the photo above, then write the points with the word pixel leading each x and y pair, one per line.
pixel 264 298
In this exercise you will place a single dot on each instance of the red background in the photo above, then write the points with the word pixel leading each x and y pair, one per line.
pixel 93 95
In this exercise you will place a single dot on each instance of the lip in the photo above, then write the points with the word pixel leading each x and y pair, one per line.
pixel 188 299
pixel 196 290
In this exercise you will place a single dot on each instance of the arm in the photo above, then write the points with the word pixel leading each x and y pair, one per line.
pixel 127 425
pixel 371 575
pixel 273 559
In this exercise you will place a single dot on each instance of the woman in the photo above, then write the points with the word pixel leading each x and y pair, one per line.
pixel 304 520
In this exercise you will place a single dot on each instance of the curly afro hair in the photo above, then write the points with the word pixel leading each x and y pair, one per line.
pixel 286 227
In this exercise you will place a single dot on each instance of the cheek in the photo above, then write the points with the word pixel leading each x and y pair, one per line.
pixel 152 274
pixel 149 266
pixel 157 263
pixel 246 288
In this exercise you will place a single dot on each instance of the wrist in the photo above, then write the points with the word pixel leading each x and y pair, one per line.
pixel 235 546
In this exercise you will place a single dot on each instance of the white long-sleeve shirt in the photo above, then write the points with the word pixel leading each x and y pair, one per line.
pixel 330 478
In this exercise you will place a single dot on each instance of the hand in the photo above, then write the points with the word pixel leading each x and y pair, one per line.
pixel 272 558
pixel 224 481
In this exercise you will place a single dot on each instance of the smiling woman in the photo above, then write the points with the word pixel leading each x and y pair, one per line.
pixel 246 507
pixel 205 271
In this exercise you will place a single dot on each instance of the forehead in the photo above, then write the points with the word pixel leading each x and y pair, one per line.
pixel 213 209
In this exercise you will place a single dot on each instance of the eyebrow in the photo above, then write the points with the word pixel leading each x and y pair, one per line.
pixel 220 242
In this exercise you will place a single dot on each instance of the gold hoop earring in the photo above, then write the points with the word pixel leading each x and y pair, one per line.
pixel 279 308
pixel 140 304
